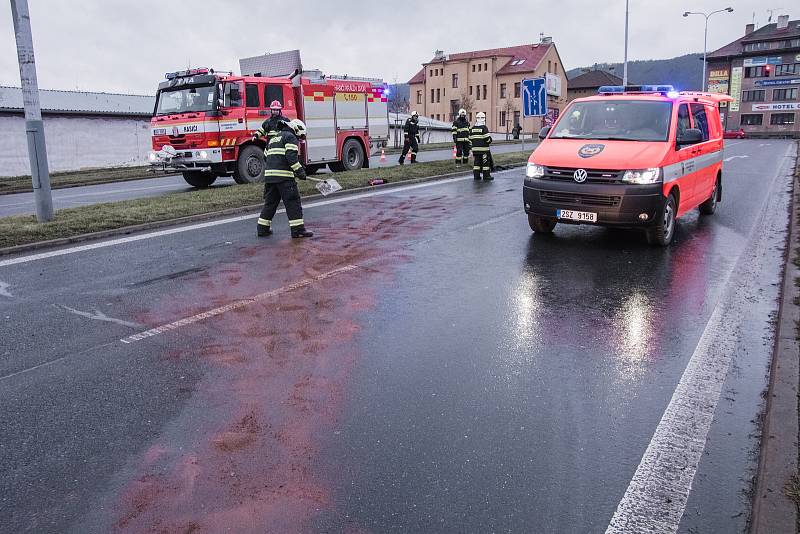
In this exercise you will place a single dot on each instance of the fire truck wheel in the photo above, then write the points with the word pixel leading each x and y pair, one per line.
pixel 199 179
pixel 352 155
pixel 250 165
pixel 661 234
pixel 541 225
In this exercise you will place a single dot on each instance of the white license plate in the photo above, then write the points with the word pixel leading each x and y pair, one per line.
pixel 581 216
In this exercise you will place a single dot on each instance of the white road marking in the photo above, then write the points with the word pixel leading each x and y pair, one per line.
pixel 35 367
pixel 235 305
pixel 656 497
pixel 208 224
pixel 764 144
pixel 735 157
pixel 4 292
pixel 98 316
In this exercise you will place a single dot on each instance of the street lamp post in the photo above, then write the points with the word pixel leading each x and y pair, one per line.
pixel 705 34
pixel 625 63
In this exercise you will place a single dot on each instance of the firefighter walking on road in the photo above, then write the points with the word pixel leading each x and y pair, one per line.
pixel 282 167
pixel 480 138
pixel 410 138
pixel 461 132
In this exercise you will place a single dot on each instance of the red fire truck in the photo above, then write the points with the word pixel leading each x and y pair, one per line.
pixel 203 123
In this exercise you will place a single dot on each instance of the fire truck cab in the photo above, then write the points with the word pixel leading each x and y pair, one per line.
pixel 638 156
pixel 203 123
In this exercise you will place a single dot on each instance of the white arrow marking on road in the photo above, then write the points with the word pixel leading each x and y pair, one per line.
pixel 98 316
pixel 734 157
pixel 4 292
pixel 763 144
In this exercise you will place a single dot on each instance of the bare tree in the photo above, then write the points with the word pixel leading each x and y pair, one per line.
pixel 509 107
pixel 466 102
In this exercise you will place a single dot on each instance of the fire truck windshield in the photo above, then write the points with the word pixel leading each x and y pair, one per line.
pixel 185 99
pixel 622 120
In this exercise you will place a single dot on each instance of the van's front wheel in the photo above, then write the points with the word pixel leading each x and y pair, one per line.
pixel 661 234
pixel 541 225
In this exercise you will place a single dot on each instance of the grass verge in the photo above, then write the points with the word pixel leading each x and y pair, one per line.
pixel 61 180
pixel 70 222
pixel 441 146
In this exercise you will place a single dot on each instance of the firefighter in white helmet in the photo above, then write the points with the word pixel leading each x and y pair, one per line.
pixel 461 133
pixel 480 138
pixel 282 167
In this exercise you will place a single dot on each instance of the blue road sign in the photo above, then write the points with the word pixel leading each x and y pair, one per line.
pixel 534 97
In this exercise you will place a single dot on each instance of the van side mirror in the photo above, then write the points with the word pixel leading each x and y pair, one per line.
pixel 543 132
pixel 690 136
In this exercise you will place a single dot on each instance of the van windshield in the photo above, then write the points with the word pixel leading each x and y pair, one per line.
pixel 622 120
pixel 185 99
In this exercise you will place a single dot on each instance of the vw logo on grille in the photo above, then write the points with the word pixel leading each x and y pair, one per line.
pixel 580 176
pixel 175 131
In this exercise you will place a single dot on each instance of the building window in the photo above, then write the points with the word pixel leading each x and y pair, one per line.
pixel 470 116
pixel 751 120
pixel 455 81
pixel 755 95
pixel 438 95
pixel 549 66
pixel 790 43
pixel 477 92
pixel 470 90
pixel 431 71
pixel 516 118
pixel 453 109
pixel 790 69
pixel 756 72
pixel 484 93
pixel 438 116
pixel 784 94
pixel 433 96
pixel 752 47
pixel 485 66
pixel 555 67
pixel 431 115
pixel 473 68
pixel 781 119
pixel 502 118
pixel 419 97
pixel 754 119
pixel 502 90
pixel 517 89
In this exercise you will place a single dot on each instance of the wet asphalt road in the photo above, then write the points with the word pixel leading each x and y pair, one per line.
pixel 23 203
pixel 424 365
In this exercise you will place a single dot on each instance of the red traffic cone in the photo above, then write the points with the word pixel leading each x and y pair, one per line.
pixel 454 152
pixel 408 156
pixel 383 155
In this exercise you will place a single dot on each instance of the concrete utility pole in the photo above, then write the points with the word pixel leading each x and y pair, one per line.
pixel 705 35
pixel 37 150
pixel 625 64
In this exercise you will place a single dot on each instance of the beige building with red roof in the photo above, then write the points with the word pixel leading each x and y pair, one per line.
pixel 489 81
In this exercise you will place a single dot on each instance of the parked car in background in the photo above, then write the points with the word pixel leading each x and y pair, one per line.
pixel 734 134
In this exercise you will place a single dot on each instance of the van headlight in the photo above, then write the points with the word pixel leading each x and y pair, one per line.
pixel 534 171
pixel 643 176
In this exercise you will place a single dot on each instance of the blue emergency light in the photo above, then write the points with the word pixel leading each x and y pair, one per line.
pixel 667 90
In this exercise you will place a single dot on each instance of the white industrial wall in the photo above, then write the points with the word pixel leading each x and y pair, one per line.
pixel 75 142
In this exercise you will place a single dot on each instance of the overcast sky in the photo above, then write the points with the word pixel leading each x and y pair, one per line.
pixel 127 46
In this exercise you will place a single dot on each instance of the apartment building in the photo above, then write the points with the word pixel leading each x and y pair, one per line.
pixel 489 81
pixel 761 71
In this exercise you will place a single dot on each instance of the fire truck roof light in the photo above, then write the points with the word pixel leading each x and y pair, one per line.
pixel 654 89
pixel 183 73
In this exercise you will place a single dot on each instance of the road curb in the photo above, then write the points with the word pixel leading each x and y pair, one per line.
pixel 126 230
pixel 778 461
pixel 90 182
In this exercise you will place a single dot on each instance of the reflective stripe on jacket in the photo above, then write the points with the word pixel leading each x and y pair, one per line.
pixel 281 157
pixel 480 138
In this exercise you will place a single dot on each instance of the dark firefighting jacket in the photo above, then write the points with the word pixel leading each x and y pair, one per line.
pixel 271 126
pixel 460 129
pixel 411 129
pixel 281 161
pixel 480 138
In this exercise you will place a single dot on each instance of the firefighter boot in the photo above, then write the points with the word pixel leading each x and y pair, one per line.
pixel 300 231
pixel 402 160
pixel 264 230
pixel 486 176
pixel 476 174
pixel 413 158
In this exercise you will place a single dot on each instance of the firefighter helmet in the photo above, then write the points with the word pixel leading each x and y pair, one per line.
pixel 299 127
pixel 414 114
pixel 276 105
pixel 481 116
pixel 462 112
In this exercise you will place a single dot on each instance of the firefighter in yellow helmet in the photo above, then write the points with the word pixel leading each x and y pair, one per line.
pixel 480 138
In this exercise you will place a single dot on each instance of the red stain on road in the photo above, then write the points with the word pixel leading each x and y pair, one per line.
pixel 248 440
